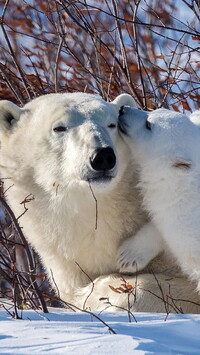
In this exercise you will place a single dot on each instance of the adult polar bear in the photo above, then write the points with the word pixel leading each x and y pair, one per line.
pixel 65 150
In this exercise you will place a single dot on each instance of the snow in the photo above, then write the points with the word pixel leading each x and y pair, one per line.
pixel 63 332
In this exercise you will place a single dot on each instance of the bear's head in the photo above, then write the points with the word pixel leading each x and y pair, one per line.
pixel 62 139
pixel 162 141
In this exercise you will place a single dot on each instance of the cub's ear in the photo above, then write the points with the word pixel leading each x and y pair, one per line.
pixel 9 114
pixel 195 117
pixel 124 100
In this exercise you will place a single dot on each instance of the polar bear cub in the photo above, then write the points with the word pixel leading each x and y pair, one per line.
pixel 166 146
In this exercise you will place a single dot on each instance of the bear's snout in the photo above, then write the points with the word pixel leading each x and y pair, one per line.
pixel 103 159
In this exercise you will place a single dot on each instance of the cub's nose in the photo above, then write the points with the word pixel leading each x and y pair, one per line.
pixel 103 159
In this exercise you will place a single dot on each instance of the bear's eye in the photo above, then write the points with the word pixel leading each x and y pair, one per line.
pixel 148 125
pixel 182 164
pixel 112 125
pixel 60 129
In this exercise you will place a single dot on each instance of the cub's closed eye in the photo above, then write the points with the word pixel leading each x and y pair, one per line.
pixel 112 125
pixel 182 164
pixel 60 129
pixel 148 125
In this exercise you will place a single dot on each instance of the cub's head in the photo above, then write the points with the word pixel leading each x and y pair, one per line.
pixel 62 139
pixel 161 140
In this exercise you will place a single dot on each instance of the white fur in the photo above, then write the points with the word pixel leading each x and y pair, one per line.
pixel 54 168
pixel 168 156
pixel 195 117
pixel 136 252
pixel 61 221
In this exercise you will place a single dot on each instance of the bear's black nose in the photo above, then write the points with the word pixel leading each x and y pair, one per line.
pixel 103 159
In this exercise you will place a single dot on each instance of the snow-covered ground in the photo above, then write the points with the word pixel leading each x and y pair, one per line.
pixel 62 332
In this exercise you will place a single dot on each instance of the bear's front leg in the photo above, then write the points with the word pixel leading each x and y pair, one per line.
pixel 136 252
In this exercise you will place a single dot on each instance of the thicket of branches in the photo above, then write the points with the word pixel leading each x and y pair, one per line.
pixel 147 48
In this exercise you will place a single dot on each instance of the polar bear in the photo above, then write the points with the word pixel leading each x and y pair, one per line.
pixel 69 166
pixel 166 146
pixel 63 154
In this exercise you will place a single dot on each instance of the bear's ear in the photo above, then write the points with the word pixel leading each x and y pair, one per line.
pixel 124 100
pixel 9 114
pixel 195 117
